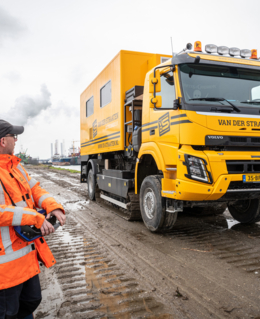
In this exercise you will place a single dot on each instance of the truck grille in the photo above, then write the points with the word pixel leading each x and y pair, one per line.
pixel 238 139
pixel 238 167
pixel 234 186
pixel 241 191
pixel 255 139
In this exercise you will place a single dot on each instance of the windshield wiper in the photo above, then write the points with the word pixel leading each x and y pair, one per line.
pixel 216 99
pixel 256 101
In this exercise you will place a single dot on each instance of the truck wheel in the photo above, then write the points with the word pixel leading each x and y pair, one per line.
pixel 246 211
pixel 91 184
pixel 152 205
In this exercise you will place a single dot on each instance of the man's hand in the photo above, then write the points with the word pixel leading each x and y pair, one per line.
pixel 47 228
pixel 59 215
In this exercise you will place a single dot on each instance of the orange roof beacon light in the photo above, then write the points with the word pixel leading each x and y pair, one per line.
pixel 211 48
pixel 245 53
pixel 253 54
pixel 197 46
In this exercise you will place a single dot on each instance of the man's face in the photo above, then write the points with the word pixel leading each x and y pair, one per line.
pixel 9 143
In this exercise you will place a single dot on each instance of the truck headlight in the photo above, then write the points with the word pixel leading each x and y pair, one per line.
pixel 197 169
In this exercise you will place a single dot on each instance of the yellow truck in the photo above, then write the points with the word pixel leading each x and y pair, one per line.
pixel 164 134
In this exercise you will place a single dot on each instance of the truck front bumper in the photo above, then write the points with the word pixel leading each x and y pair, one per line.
pixel 194 191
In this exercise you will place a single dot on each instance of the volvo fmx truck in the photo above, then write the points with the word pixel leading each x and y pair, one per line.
pixel 162 135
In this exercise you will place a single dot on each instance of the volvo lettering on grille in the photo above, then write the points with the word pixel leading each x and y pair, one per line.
pixel 215 137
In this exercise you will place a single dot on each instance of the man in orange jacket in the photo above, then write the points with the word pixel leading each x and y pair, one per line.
pixel 20 291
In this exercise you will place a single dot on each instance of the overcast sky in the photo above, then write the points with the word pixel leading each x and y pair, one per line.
pixel 51 50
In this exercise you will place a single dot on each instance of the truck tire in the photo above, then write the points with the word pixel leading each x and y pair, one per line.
pixel 153 205
pixel 246 211
pixel 91 185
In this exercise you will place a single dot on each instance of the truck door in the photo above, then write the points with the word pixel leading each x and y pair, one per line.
pixel 165 128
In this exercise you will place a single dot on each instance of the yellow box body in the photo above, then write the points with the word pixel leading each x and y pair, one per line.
pixel 125 71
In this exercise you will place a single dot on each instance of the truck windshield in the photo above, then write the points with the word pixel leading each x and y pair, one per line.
pixel 216 85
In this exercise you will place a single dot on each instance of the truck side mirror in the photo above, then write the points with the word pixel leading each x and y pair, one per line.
pixel 156 102
pixel 155 82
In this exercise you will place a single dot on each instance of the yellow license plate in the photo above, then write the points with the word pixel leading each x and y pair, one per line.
pixel 253 178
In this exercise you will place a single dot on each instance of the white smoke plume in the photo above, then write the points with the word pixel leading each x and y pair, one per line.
pixel 63 108
pixel 27 107
pixel 60 112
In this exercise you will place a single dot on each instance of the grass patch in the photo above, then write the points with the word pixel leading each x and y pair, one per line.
pixel 64 169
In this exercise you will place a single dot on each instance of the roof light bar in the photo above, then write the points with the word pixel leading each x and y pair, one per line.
pixel 245 53
pixel 223 50
pixel 211 48
pixel 234 51
pixel 253 54
pixel 197 46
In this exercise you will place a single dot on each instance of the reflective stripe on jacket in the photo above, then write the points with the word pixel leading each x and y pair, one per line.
pixel 19 259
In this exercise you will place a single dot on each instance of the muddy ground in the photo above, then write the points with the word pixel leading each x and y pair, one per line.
pixel 110 268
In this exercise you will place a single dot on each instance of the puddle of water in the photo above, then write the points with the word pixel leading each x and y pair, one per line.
pixel 75 206
pixel 35 174
pixel 65 236
pixel 53 175
pixel 78 185
pixel 74 244
pixel 52 296
pixel 116 299
pixel 65 178
pixel 104 290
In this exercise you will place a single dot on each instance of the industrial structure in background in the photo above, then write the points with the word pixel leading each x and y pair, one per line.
pixel 166 134
pixel 63 158
pixel 27 159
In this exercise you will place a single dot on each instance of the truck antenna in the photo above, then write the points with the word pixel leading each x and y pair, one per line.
pixel 172 46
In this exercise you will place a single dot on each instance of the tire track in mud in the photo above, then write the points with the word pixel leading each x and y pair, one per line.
pixel 208 235
pixel 211 234
pixel 203 302
pixel 213 231
pixel 219 238
pixel 226 244
pixel 94 285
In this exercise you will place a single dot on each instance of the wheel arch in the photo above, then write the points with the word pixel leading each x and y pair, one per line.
pixel 92 163
pixel 151 154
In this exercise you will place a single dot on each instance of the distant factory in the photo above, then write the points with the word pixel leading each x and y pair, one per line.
pixel 56 147
pixel 70 157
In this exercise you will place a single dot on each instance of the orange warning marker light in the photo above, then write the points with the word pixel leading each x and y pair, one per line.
pixel 253 54
pixel 197 46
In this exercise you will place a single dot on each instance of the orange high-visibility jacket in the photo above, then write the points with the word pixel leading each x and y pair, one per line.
pixel 19 259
